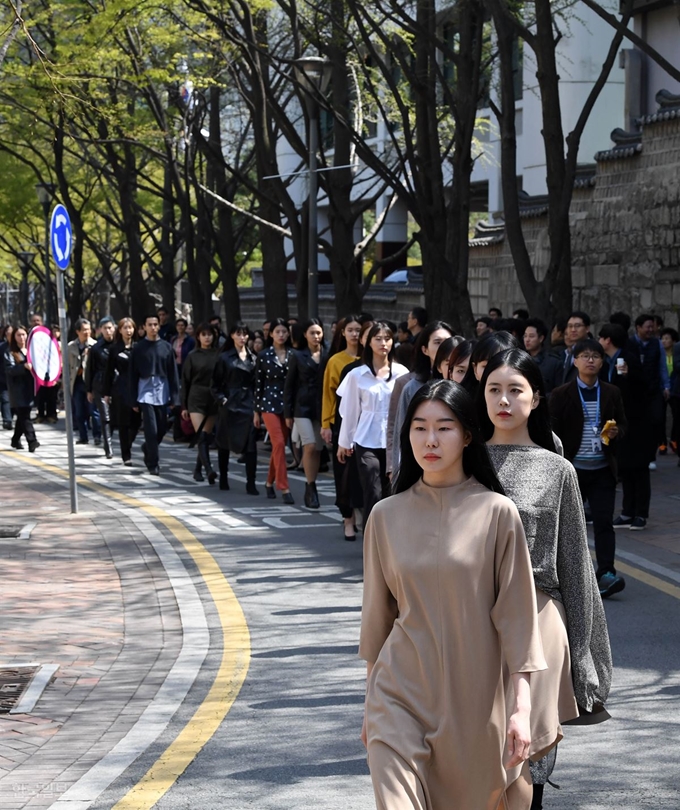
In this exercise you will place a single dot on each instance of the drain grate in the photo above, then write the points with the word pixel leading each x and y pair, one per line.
pixel 13 683
pixel 10 531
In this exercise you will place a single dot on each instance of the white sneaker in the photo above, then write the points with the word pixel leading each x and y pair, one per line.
pixel 652 466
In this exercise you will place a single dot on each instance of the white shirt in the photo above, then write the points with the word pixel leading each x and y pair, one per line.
pixel 364 406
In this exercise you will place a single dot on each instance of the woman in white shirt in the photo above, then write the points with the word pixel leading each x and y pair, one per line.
pixel 365 399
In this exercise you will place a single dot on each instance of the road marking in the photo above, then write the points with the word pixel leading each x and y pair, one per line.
pixel 227 683
pixel 642 575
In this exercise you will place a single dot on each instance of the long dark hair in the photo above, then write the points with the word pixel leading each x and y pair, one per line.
pixel 488 347
pixel 208 329
pixel 540 431
pixel 476 459
pixel 272 326
pixel 339 342
pixel 239 326
pixel 422 365
pixel 446 349
pixel 305 327
pixel 461 352
pixel 367 356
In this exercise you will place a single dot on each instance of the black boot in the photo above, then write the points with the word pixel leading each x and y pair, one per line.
pixel 311 496
pixel 106 435
pixel 223 461
pixel 251 466
pixel 198 475
pixel 204 455
pixel 537 801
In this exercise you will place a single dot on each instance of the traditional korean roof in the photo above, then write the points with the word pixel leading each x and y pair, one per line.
pixel 669 108
pixel 626 145
pixel 487 234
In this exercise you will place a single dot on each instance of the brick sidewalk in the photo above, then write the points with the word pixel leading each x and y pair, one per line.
pixel 86 593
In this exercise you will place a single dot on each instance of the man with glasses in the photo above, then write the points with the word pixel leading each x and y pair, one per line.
pixel 578 325
pixel 580 411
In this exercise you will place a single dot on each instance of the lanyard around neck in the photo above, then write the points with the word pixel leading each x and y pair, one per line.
pixel 595 426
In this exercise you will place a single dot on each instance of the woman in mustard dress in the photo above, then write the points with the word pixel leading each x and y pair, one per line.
pixel 449 601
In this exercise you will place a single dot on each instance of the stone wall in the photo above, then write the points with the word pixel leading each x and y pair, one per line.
pixel 625 233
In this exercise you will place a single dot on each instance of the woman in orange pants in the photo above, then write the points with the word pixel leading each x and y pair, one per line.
pixel 270 376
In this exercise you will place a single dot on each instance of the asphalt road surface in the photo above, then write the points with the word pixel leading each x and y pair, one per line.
pixel 291 738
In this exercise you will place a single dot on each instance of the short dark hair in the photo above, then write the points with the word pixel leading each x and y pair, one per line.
pixel 151 315
pixel 578 313
pixel 643 319
pixel 560 324
pixel 215 318
pixel 622 318
pixel 616 333
pixel 521 314
pixel 588 345
pixel 182 320
pixel 497 310
pixel 658 320
pixel 162 309
pixel 538 325
pixel 672 332
pixel 106 319
pixel 403 326
pixel 483 319
pixel 78 325
pixel 420 314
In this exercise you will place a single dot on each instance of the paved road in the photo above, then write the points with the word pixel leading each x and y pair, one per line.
pixel 291 738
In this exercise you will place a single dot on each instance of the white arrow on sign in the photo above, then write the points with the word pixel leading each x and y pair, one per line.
pixel 62 254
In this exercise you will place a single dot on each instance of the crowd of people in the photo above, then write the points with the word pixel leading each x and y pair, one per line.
pixel 427 432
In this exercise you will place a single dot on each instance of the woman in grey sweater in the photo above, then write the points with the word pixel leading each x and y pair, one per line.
pixel 515 423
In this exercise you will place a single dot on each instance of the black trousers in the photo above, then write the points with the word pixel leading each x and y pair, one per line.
pixel 155 426
pixel 598 487
pixel 46 401
pixel 372 466
pixel 348 494
pixel 23 425
pixel 637 492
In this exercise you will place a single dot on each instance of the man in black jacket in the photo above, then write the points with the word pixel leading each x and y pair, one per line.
pixel 94 378
pixel 535 335
pixel 636 449
pixel 580 410
pixel 153 385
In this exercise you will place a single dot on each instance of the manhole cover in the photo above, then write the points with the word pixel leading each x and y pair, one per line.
pixel 13 683
pixel 10 531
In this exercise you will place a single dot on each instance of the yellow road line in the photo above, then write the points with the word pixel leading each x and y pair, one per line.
pixel 648 579
pixel 230 676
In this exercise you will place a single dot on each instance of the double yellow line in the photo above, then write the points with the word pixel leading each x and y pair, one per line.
pixel 230 676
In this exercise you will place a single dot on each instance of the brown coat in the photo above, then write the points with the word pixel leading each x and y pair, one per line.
pixel 448 600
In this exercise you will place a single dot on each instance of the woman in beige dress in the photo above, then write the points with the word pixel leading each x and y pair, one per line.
pixel 448 602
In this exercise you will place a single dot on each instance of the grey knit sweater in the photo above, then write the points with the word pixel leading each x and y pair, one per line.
pixel 544 487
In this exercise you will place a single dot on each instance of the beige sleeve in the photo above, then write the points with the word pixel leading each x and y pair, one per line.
pixel 379 609
pixel 514 613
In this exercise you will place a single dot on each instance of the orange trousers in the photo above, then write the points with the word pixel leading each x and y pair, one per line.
pixel 278 436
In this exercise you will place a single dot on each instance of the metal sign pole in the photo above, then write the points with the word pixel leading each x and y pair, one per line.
pixel 66 379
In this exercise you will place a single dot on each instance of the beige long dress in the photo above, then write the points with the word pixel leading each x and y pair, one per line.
pixel 448 597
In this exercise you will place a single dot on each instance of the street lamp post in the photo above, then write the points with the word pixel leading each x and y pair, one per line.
pixel 313 74
pixel 25 263
pixel 45 192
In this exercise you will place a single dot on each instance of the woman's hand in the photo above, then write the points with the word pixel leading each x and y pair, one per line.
pixel 519 725
pixel 344 453
pixel 289 424
pixel 257 420
pixel 185 415
pixel 519 738
pixel 326 435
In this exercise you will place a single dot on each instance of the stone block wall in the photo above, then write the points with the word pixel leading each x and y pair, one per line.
pixel 625 236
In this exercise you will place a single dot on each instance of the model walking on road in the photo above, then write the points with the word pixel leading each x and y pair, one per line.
pixel 347 490
pixel 514 419
pixel 270 378
pixel 198 403
pixel 116 388
pixel 21 387
pixel 365 400
pixel 155 386
pixel 233 388
pixel 302 403
pixel 94 378
pixel 449 601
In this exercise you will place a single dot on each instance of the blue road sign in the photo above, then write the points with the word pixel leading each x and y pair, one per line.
pixel 61 237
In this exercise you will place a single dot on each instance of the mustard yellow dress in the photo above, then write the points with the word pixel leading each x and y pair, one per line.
pixel 449 599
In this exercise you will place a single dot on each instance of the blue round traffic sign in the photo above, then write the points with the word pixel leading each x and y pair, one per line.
pixel 61 237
